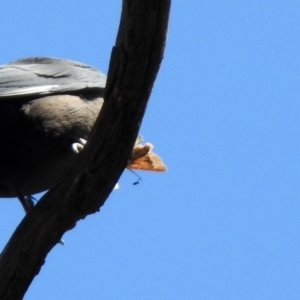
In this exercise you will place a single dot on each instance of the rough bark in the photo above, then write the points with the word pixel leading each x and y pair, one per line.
pixel 135 61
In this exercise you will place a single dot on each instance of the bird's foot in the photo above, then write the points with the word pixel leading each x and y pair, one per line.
pixel 26 201
pixel 77 147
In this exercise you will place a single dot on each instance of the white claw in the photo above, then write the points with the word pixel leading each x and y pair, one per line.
pixel 116 187
pixel 77 147
pixel 82 141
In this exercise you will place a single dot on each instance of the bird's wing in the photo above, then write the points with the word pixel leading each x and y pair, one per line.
pixel 44 76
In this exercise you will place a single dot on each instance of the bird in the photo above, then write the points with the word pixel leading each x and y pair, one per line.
pixel 48 107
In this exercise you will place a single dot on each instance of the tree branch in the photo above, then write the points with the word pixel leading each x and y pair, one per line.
pixel 134 64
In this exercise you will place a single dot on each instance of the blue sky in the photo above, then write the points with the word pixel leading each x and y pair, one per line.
pixel 224 221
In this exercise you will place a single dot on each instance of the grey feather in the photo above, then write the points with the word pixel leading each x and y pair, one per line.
pixel 45 76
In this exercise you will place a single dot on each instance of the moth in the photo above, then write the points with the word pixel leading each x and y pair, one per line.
pixel 143 158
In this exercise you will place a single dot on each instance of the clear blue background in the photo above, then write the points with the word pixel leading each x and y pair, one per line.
pixel 224 221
